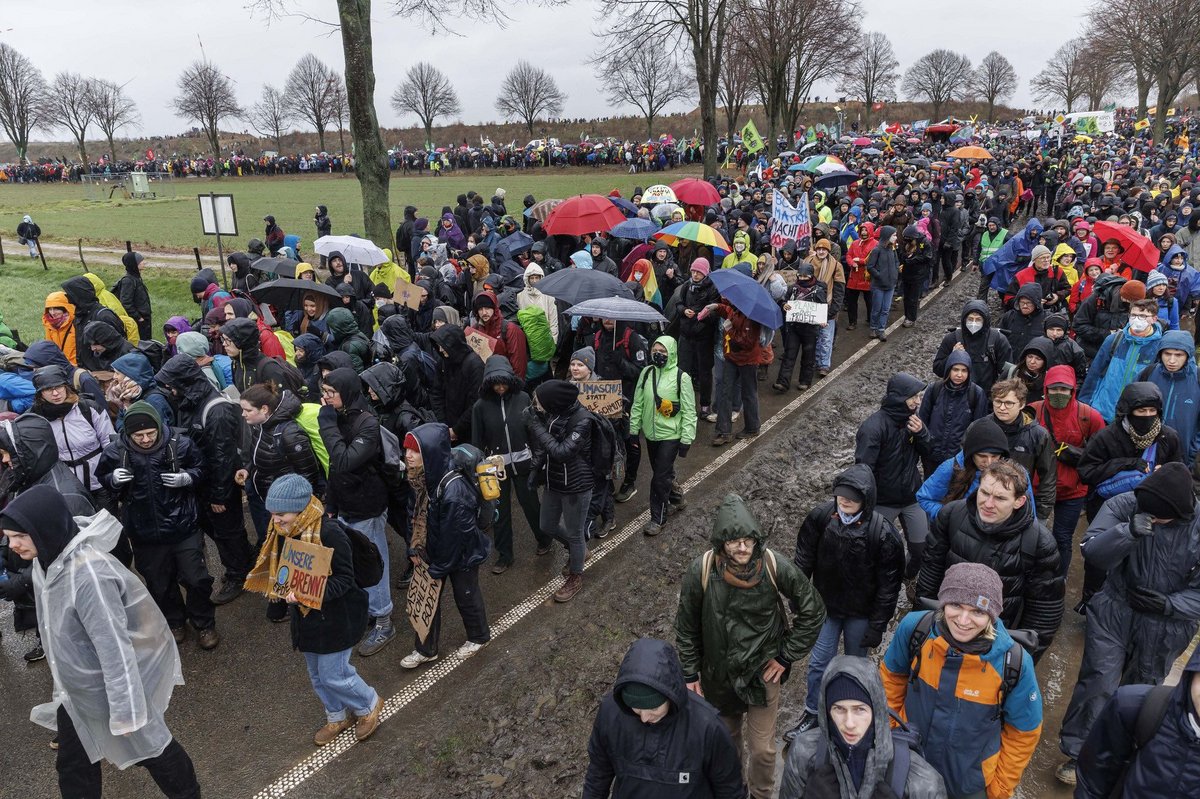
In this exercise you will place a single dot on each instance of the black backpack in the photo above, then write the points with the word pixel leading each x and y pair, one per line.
pixel 155 352
pixel 368 563
pixel 608 450
pixel 463 460
pixel 1150 717
pixel 905 741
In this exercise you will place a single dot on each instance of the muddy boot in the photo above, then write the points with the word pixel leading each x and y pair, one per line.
pixel 807 722
pixel 626 493
pixel 722 440
pixel 568 590
pixel 277 611
pixel 230 590
pixel 1066 773
pixel 208 638
pixel 365 726
pixel 403 581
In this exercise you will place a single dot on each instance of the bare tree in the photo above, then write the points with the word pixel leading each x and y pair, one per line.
pixel 871 71
pixel 1062 78
pixel 994 80
pixel 22 88
pixel 205 95
pixel 940 77
pixel 271 115
pixel 697 25
pixel 427 94
pixel 1100 75
pixel 734 84
pixel 650 80
pixel 828 26
pixel 308 89
pixel 113 110
pixel 340 105
pixel 69 105
pixel 528 92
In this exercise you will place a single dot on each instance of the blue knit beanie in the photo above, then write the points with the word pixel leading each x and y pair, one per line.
pixel 288 494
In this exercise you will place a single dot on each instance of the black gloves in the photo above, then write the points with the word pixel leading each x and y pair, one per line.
pixel 1141 525
pixel 683 450
pixel 871 638
pixel 1144 600
pixel 1070 454
pixel 534 479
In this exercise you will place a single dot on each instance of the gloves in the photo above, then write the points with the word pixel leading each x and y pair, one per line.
pixel 533 480
pixel 871 638
pixel 683 450
pixel 327 415
pixel 12 588
pixel 1144 600
pixel 122 476
pixel 1141 525
pixel 1070 454
pixel 177 479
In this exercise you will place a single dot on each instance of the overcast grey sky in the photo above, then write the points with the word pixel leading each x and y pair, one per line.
pixel 147 43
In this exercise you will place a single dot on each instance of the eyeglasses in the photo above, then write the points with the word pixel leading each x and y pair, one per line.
pixel 1006 403
pixel 328 393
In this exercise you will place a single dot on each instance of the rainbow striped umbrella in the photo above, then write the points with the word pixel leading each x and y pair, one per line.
pixel 818 162
pixel 693 231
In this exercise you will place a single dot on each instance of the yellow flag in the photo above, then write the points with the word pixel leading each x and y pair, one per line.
pixel 750 138
pixel 1141 124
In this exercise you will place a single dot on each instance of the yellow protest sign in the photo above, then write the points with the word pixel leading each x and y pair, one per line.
pixel 304 569
pixel 1141 124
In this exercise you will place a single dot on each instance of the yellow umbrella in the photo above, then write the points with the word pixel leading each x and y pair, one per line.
pixel 1081 139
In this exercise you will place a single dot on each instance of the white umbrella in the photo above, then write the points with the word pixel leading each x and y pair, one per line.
pixel 352 248
pixel 658 193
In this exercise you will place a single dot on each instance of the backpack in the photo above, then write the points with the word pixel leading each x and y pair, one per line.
pixel 706 566
pixel 463 460
pixel 537 333
pixel 1150 717
pixel 905 741
pixel 1013 658
pixel 287 341
pixel 368 562
pixel 307 419
pixel 243 429
pixel 155 352
pixel 623 341
pixel 293 378
pixel 608 449
pixel 998 368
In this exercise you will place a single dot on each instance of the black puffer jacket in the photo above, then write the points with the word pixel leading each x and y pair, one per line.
pixel 561 438
pixel 355 489
pixel 857 568
pixel 693 296
pixel 250 366
pixel 392 410
pixel 1020 550
pixel 498 422
pixel 460 374
pixel 151 512
pixel 1019 328
pixel 402 349
pixel 989 349
pixel 884 443
pixel 214 422
pixel 342 619
pixel 280 446
pixel 82 294
pixel 947 410
pixel 1100 314
pixel 687 755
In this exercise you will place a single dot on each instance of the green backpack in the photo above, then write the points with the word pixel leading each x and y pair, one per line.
pixel 289 347
pixel 537 333
pixel 307 419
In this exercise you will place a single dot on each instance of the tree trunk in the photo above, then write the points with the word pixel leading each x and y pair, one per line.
pixel 707 90
pixel 112 148
pixel 370 155
pixel 991 109
pixel 428 133
pixel 321 140
pixel 342 146
pixel 214 141
pixel 937 111
pixel 870 102
pixel 649 127
pixel 83 152
pixel 529 126
pixel 1160 118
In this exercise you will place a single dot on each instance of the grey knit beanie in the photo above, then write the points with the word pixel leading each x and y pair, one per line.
pixel 971 584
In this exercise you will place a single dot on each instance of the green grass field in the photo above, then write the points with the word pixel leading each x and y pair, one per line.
pixel 174 224
pixel 26 285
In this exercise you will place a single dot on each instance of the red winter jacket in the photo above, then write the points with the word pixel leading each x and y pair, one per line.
pixel 741 340
pixel 1073 425
pixel 856 257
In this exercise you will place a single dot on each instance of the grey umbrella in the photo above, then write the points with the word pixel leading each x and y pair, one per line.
pixel 576 285
pixel 617 308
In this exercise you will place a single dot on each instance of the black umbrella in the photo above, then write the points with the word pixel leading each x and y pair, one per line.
pixel 284 267
pixel 287 293
pixel 573 286
pixel 513 244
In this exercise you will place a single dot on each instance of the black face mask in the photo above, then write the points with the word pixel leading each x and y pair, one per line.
pixel 658 359
pixel 1142 424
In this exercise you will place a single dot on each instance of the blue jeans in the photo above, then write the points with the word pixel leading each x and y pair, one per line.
pixel 339 686
pixel 1066 518
pixel 825 344
pixel 881 305
pixel 851 632
pixel 379 596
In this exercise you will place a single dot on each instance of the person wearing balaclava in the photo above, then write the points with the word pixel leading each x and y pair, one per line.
pixel 1145 616
pixel 115 663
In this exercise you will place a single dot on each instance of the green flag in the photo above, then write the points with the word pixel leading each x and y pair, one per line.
pixel 750 138
pixel 1110 107
pixel 811 135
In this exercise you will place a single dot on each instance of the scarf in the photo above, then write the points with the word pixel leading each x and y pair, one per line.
pixel 50 411
pixel 306 527
pixel 746 576
pixel 1139 441
pixel 416 479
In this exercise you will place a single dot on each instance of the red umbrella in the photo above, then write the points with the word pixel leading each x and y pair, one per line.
pixel 862 141
pixel 1140 252
pixel 581 214
pixel 693 191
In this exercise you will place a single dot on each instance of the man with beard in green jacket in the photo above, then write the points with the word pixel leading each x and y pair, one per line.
pixel 746 614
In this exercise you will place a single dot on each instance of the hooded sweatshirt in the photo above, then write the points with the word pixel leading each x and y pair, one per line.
pixel 947 410
pixel 883 263
pixel 355 489
pixel 657 386
pixel 884 443
pixel 64 333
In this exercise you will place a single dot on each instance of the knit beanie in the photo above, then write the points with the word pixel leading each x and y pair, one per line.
pixel 701 265
pixel 1155 278
pixel 975 585
pixel 288 494
pixel 198 285
pixel 983 435
pixel 844 688
pixel 1038 252
pixel 557 396
pixel 638 696
pixel 1055 320
pixel 192 343
pixel 1133 290
pixel 140 416
pixel 586 356
pixel 1166 493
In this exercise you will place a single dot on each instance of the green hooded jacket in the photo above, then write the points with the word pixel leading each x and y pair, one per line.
pixel 645 417
pixel 6 336
pixel 349 338
pixel 726 635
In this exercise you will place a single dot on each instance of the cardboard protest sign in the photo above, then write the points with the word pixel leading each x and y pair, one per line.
pixel 790 223
pixel 405 293
pixel 304 570
pixel 809 313
pixel 602 397
pixel 424 592
pixel 483 345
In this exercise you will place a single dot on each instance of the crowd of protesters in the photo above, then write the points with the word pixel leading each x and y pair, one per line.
pixel 352 419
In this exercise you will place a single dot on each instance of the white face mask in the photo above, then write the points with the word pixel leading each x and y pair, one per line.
pixel 1178 267
pixel 1138 324
pixel 974 327
pixel 739 246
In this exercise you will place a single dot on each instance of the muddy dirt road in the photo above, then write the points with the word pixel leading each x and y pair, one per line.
pixel 513 721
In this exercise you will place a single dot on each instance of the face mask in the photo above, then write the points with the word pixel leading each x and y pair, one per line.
pixel 974 327
pixel 658 358
pixel 1058 401
pixel 1138 324
pixel 1178 267
pixel 1142 424
pixel 739 246
pixel 848 519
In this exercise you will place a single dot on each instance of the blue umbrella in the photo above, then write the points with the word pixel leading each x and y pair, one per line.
pixel 842 177
pixel 796 168
pixel 871 151
pixel 745 294
pixel 512 244
pixel 637 229
pixel 626 207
